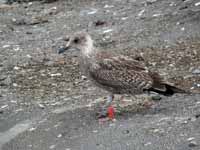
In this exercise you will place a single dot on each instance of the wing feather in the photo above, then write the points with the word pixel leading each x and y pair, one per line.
pixel 120 72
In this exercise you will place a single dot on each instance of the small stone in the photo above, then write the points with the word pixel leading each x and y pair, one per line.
pixel 192 88
pixel 29 56
pixel 108 30
pixel 197 4
pixel 16 68
pixel 141 13
pixel 15 84
pixel 156 15
pixel 108 6
pixel 16 49
pixel 196 71
pixel 19 22
pixel 182 29
pixel 156 98
pixel 6 46
pixel 156 130
pixel 59 136
pixel 29 32
pixel 124 18
pixel 193 119
pixel 92 12
pixel 41 106
pixel 83 77
pixel 4 106
pixel 32 129
pixel 172 4
pixel 148 143
pixel 149 2
pixel 95 131
pixel 126 132
pixel 30 3
pixel 56 74
pixel 100 23
pixel 52 146
pixel 190 139
pixel 30 145
pixel 192 144
pixel 197 115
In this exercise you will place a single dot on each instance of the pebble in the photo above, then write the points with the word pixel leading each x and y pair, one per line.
pixel 126 132
pixel 197 4
pixel 108 30
pixel 141 13
pixel 16 49
pixel 196 71
pixel 56 74
pixel 148 143
pixel 41 106
pixel 190 139
pixel 52 146
pixel 150 1
pixel 83 77
pixel 182 29
pixel 124 18
pixel 6 46
pixel 99 23
pixel 16 68
pixel 108 6
pixel 197 115
pixel 15 84
pixel 193 119
pixel 156 98
pixel 59 136
pixel 172 4
pixel 192 144
pixel 92 12
pixel 4 106
pixel 30 3
pixel 32 129
pixel 95 131
pixel 156 15
pixel 29 56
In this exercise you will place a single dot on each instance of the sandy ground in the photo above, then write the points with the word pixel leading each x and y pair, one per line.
pixel 45 102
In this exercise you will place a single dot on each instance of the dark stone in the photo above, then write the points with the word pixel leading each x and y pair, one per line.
pixel 100 23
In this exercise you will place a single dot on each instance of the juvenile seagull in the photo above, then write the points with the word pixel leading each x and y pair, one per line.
pixel 116 74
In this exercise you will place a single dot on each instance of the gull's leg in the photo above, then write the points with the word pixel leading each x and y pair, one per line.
pixel 109 100
pixel 122 99
pixel 104 111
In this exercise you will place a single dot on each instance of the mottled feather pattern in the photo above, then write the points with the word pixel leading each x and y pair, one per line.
pixel 120 74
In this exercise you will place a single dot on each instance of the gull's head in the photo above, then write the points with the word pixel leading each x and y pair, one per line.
pixel 79 41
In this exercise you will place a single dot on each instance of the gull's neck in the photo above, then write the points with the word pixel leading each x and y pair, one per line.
pixel 88 49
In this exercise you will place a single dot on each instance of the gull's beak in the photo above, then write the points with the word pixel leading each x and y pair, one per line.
pixel 63 49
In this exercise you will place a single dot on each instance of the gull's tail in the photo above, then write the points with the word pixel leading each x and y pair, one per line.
pixel 160 87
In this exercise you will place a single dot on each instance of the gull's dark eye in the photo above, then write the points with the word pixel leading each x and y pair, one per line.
pixel 76 40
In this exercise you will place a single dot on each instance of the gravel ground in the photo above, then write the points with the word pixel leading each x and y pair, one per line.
pixel 45 102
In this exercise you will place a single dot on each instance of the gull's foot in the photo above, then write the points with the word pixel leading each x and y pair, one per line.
pixel 102 114
pixel 105 115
